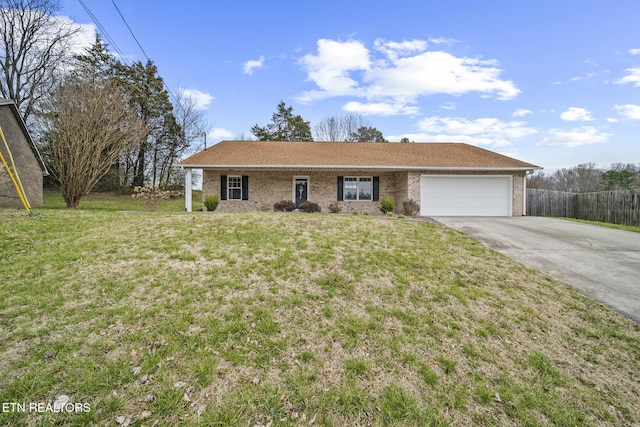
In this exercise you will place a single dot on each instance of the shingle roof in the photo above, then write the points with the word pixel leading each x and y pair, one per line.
pixel 361 155
pixel 14 110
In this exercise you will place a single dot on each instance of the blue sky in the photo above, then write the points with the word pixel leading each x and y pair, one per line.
pixel 554 83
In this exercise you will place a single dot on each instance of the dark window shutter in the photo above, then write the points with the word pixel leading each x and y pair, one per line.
pixel 223 187
pixel 245 187
pixel 340 188
pixel 376 188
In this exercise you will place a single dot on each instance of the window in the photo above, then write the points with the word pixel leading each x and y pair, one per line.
pixel 364 189
pixel 234 187
pixel 357 188
pixel 351 188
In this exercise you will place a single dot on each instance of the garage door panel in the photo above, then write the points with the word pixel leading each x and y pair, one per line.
pixel 477 195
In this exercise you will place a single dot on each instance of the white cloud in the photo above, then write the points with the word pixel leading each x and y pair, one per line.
pixel 330 68
pixel 514 154
pixel 576 114
pixel 587 76
pixel 200 99
pixel 253 64
pixel 219 133
pixel 442 40
pixel 395 49
pixel 633 77
pixel 405 71
pixel 83 39
pixel 438 72
pixel 483 131
pixel 448 106
pixel 629 111
pixel 575 137
pixel 634 51
pixel 379 108
pixel 521 112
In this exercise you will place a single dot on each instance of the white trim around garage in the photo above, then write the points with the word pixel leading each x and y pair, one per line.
pixel 466 195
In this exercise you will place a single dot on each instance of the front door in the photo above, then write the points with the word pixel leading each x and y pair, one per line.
pixel 300 188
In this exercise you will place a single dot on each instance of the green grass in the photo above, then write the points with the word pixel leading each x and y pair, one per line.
pixel 209 319
pixel 109 202
pixel 634 228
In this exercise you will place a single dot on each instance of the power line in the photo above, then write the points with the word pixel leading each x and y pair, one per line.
pixel 130 30
pixel 112 42
pixel 141 49
pixel 103 30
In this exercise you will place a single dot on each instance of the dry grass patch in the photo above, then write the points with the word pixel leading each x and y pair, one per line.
pixel 294 319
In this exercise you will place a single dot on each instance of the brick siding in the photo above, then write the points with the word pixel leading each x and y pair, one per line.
pixel 269 187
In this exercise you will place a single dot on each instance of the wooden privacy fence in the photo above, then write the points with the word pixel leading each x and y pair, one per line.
pixel 550 203
pixel 617 207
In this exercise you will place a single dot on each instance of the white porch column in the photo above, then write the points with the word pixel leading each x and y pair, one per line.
pixel 187 189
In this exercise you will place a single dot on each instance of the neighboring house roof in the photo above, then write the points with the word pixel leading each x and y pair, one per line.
pixel 352 155
pixel 23 128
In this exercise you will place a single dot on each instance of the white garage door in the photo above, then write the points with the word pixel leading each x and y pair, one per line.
pixel 468 195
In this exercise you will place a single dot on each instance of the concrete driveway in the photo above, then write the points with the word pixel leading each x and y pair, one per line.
pixel 602 263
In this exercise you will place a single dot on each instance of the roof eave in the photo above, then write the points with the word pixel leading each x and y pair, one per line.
pixel 25 131
pixel 399 167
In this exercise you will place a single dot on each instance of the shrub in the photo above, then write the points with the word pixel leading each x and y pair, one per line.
pixel 211 202
pixel 386 204
pixel 410 207
pixel 334 207
pixel 127 190
pixel 309 207
pixel 365 212
pixel 284 206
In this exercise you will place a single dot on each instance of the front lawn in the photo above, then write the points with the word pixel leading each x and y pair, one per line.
pixel 295 319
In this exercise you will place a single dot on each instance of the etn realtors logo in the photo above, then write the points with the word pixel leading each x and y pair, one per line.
pixel 61 404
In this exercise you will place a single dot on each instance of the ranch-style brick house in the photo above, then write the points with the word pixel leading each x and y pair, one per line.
pixel 445 179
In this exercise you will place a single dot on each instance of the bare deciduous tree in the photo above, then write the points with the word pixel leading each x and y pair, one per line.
pixel 87 126
pixel 587 177
pixel 339 128
pixel 578 179
pixel 242 136
pixel 539 180
pixel 192 128
pixel 34 46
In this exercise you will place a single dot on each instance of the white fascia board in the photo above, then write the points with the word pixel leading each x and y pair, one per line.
pixel 298 167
